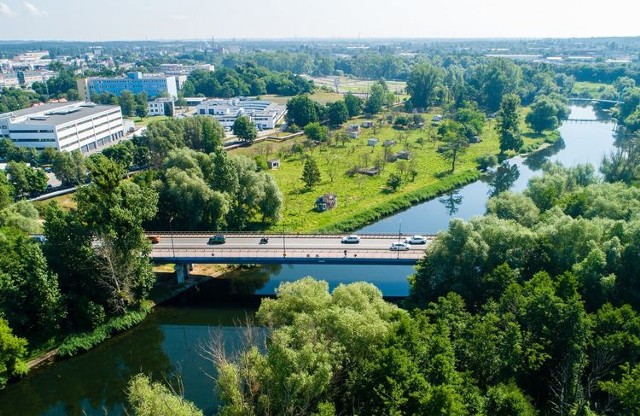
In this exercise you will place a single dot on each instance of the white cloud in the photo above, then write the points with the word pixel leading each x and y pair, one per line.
pixel 6 10
pixel 33 10
pixel 178 17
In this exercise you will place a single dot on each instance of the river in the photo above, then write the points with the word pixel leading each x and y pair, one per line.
pixel 170 344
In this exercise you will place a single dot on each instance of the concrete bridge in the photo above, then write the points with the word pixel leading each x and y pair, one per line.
pixel 184 249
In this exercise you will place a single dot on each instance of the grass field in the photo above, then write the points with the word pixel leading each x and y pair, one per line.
pixel 361 198
pixel 347 84
pixel 590 89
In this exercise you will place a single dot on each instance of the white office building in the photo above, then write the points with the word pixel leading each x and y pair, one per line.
pixel 79 125
pixel 161 107
pixel 264 114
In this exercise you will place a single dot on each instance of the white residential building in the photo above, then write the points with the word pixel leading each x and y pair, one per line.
pixel 264 114
pixel 78 125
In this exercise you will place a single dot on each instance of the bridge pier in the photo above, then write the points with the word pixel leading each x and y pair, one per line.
pixel 182 272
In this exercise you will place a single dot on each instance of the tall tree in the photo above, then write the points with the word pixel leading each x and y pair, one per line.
pixel 508 124
pixel 310 172
pixel 455 143
pixel 337 113
pixel 244 129
pixel 301 110
pixel 354 104
pixel 69 167
pixel 422 83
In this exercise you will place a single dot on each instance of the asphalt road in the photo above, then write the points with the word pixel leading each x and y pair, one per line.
pixel 276 242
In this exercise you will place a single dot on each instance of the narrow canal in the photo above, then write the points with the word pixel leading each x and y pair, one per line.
pixel 172 342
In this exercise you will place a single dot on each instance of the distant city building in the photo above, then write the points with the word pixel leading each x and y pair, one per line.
pixel 161 107
pixel 68 126
pixel 264 114
pixel 154 85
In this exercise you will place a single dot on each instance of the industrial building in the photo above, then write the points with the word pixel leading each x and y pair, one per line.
pixel 79 125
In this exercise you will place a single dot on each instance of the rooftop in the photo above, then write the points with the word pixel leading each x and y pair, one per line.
pixel 58 113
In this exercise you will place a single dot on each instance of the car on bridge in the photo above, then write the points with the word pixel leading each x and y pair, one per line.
pixel 416 239
pixel 217 239
pixel 351 239
pixel 399 247
pixel 154 239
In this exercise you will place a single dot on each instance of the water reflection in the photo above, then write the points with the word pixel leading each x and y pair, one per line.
pixel 537 159
pixel 503 178
pixel 452 202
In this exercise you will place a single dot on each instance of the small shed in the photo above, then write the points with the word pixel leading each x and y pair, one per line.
pixel 326 202
pixel 475 139
pixel 273 163
pixel 372 141
pixel 367 124
pixel 404 154
pixel 353 127
pixel 388 143
pixel 353 134
pixel 436 117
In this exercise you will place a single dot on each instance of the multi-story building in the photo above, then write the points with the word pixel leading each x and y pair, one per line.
pixel 161 107
pixel 153 84
pixel 79 125
pixel 264 114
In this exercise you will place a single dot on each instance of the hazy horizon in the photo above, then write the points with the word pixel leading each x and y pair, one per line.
pixel 163 20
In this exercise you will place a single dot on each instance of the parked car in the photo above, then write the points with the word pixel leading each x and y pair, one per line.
pixel 39 238
pixel 399 247
pixel 351 239
pixel 416 239
pixel 154 239
pixel 217 239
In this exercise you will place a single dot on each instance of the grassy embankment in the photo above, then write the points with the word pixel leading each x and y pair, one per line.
pixel 590 89
pixel 363 199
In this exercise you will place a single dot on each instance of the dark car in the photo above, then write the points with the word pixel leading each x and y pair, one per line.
pixel 217 239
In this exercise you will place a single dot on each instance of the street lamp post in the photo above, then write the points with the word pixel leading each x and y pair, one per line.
pixel 284 246
pixel 173 249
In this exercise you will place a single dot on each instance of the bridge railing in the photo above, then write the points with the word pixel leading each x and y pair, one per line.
pixel 206 234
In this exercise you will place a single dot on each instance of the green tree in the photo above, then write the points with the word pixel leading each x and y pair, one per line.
pixel 337 114
pixel 6 191
pixel 149 398
pixel 29 295
pixel 70 168
pixel 498 78
pixel 113 211
pixel 508 400
pixel 25 180
pixel 394 181
pixel 12 352
pixel 546 113
pixel 244 129
pixel 472 121
pixel 354 104
pixel 316 131
pixel 141 105
pixel 422 83
pixel 127 103
pixel 455 143
pixel 508 124
pixel 378 98
pixel 310 173
pixel 301 110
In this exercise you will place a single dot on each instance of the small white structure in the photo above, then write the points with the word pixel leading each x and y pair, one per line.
pixel 436 117
pixel 372 141
pixel 161 107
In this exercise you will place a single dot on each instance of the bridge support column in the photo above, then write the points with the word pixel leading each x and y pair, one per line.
pixel 182 272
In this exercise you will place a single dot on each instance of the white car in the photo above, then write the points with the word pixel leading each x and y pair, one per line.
pixel 399 247
pixel 351 239
pixel 416 239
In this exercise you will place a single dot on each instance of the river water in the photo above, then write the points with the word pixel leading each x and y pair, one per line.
pixel 171 343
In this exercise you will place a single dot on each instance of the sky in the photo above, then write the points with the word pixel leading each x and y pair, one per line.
pixel 91 20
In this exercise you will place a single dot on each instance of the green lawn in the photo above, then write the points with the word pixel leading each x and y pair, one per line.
pixel 590 89
pixel 362 198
